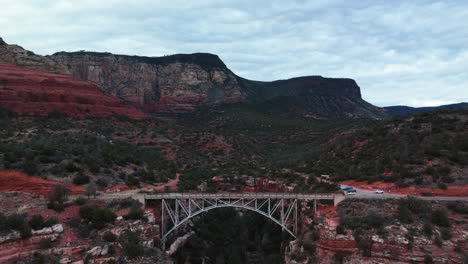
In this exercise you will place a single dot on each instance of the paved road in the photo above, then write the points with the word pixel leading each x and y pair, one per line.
pixel 360 194
pixel 367 194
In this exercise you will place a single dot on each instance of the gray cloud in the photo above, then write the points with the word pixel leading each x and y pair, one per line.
pixel 399 52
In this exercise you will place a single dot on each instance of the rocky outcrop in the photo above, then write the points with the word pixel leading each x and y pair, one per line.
pixel 29 91
pixel 171 84
pixel 178 243
pixel 16 55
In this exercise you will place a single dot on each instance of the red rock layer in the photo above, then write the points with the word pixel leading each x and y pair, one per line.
pixel 29 91
pixel 14 181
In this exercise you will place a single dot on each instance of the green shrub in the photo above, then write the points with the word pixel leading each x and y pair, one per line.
pixel 131 244
pixel 340 229
pixel 136 213
pixel 57 198
pixel 80 201
pixel 81 179
pixel 438 241
pixel 15 222
pixel 439 217
pixel 96 215
pixel 36 222
pixel 415 205
pixel 109 237
pixel 428 259
pixel 340 256
pixel 446 233
pixel 460 207
pixel 51 221
pixel 310 248
pixel 442 185
pixel 428 229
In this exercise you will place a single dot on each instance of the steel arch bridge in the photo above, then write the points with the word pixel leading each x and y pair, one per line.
pixel 281 208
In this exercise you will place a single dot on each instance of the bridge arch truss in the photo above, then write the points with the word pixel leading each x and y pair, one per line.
pixel 178 208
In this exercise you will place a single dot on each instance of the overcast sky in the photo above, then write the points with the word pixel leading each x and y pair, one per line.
pixel 399 52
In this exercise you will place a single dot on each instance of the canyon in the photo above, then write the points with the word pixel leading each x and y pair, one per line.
pixel 91 122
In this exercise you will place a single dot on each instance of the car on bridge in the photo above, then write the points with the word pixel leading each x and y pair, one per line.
pixel 378 191
pixel 351 192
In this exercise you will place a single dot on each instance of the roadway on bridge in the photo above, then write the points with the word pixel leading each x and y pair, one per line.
pixel 368 194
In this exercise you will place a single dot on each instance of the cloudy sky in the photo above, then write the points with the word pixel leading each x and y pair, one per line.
pixel 400 52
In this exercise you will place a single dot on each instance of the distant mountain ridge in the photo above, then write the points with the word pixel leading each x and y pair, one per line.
pixel 408 110
pixel 178 84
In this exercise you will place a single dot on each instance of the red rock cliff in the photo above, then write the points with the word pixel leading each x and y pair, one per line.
pixel 29 91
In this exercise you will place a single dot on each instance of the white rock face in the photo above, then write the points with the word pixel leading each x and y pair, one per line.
pixel 95 251
pixel 150 217
pixel 43 231
pixel 58 228
pixel 148 244
pixel 377 239
pixel 105 250
pixel 180 241
pixel 65 261
pixel 14 235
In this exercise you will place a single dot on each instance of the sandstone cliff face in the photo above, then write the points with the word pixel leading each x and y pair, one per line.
pixel 29 91
pixel 15 54
pixel 179 83
pixel 172 84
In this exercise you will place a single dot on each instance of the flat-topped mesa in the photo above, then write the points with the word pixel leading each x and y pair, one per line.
pixel 179 83
pixel 206 60
pixel 303 86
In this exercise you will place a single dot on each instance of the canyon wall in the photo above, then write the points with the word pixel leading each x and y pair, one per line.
pixel 172 84
pixel 179 83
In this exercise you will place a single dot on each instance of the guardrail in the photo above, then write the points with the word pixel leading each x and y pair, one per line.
pixel 240 195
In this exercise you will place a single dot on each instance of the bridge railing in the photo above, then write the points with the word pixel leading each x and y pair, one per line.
pixel 319 196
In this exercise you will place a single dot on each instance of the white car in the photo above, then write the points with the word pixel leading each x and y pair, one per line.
pixel 378 191
pixel 351 193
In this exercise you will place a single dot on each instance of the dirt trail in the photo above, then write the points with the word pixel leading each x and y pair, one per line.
pixel 126 190
pixel 172 184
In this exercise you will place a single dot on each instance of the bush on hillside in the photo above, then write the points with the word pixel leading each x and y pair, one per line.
pixel 96 215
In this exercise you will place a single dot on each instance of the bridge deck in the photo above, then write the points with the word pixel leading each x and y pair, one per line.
pixel 300 196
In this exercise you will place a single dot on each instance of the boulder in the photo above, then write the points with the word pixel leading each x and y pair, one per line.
pixel 150 217
pixel 105 250
pixel 65 261
pixel 95 251
pixel 58 228
pixel 149 243
pixel 377 239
